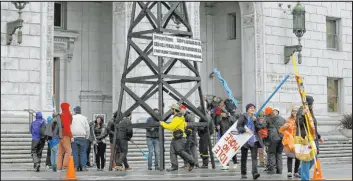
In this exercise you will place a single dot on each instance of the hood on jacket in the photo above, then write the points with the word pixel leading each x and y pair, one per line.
pixel 39 116
pixel 49 119
pixel 65 108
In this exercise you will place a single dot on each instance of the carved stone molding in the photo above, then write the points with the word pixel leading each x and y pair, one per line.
pixel 50 53
pixel 94 96
pixel 65 42
pixel 248 20
pixel 259 39
pixel 247 7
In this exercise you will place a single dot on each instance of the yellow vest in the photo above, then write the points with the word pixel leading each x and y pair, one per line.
pixel 178 123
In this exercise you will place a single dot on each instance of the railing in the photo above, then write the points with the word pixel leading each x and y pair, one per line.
pixel 31 115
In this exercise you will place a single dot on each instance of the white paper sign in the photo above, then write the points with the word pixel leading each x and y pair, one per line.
pixel 177 47
pixel 229 144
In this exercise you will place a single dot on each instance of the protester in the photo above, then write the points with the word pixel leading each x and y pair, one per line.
pixel 110 131
pixel 177 145
pixel 288 130
pixel 98 130
pixel 223 124
pixel 274 122
pixel 231 108
pixel 64 147
pixel 89 144
pixel 37 130
pixel 248 119
pixel 190 146
pixel 261 151
pixel 81 132
pixel 54 133
pixel 204 139
pixel 152 136
pixel 307 165
pixel 124 135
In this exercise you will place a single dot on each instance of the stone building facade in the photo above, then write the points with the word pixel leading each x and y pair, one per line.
pixel 78 57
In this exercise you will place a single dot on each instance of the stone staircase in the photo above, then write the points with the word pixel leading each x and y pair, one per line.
pixel 15 150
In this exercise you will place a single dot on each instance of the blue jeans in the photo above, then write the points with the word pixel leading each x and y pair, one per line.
pixel 305 169
pixel 82 143
pixel 153 146
pixel 53 155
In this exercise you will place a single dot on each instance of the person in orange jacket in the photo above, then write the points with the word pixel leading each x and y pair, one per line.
pixel 65 142
pixel 288 130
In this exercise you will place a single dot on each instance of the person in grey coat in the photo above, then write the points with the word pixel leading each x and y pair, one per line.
pixel 274 122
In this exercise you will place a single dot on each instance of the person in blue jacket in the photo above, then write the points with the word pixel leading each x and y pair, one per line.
pixel 54 134
pixel 37 130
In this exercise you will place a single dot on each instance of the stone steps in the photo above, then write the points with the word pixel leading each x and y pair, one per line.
pixel 16 145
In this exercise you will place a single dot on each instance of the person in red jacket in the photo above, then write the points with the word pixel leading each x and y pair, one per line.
pixel 65 141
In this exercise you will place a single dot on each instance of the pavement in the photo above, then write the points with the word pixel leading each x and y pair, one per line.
pixel 330 172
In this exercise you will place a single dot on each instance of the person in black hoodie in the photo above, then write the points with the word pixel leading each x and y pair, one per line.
pixel 306 165
pixel 152 136
pixel 223 123
pixel 124 134
pixel 253 126
pixel 203 141
pixel 109 131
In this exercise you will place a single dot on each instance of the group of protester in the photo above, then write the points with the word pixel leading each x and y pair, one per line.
pixel 72 134
pixel 68 135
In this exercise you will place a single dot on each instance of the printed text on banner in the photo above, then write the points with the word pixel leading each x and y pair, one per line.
pixel 229 144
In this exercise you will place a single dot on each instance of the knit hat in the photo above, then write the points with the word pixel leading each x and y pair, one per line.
pixel 77 110
pixel 182 106
pixel 268 110
pixel 309 100
pixel 249 105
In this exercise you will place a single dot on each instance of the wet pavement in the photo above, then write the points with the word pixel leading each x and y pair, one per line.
pixel 330 172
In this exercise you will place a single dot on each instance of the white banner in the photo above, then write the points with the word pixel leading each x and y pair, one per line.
pixel 177 47
pixel 229 144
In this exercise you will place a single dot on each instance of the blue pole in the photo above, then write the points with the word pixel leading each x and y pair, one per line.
pixel 273 93
pixel 225 85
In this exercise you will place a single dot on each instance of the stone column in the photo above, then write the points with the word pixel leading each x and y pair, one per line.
pixel 121 22
pixel 248 54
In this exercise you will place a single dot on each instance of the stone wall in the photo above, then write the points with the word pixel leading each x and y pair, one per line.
pixel 90 70
pixel 23 66
pixel 318 62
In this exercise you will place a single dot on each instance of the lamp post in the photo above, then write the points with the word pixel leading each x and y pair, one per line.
pixel 17 24
pixel 299 30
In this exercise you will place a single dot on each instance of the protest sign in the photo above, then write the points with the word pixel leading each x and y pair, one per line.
pixel 229 144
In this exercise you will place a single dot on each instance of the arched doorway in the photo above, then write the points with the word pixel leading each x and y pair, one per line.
pixel 230 33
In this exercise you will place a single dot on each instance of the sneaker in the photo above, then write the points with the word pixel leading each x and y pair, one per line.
pixel 128 169
pixel 289 175
pixel 235 166
pixel 256 176
pixel 243 176
pixel 171 169
pixel 84 169
pixel 297 175
pixel 118 168
pixel 225 168
pixel 191 167
pixel 37 168
pixel 184 166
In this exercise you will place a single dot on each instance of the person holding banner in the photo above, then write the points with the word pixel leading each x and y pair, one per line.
pixel 223 124
pixel 307 165
pixel 249 120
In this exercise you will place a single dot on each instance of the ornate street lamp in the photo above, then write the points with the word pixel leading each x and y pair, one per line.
pixel 17 24
pixel 299 30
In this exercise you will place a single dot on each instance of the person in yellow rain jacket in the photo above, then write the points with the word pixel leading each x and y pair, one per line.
pixel 177 146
